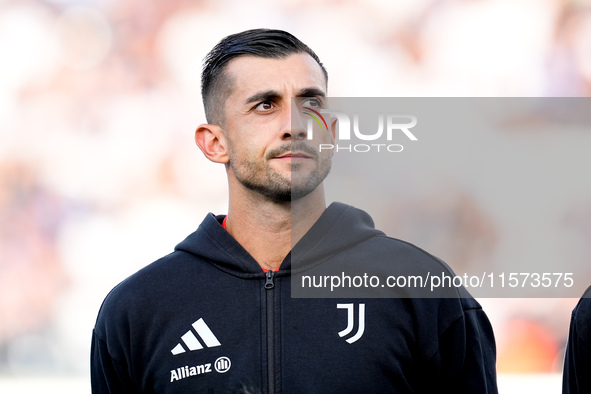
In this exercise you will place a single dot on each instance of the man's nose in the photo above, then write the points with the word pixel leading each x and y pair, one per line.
pixel 295 124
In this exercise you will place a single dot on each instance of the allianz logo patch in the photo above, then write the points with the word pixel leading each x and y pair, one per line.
pixel 221 365
pixel 190 341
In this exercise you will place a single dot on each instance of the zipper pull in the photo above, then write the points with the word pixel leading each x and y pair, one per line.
pixel 269 283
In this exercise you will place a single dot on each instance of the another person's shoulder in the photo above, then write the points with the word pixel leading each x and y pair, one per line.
pixel 578 353
pixel 581 317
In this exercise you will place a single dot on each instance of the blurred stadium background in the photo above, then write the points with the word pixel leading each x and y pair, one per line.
pixel 99 174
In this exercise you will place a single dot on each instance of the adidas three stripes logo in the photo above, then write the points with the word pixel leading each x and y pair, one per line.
pixel 192 343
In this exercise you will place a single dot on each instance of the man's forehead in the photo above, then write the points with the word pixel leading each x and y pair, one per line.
pixel 295 72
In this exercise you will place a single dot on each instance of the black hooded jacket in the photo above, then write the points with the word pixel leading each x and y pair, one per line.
pixel 577 361
pixel 207 319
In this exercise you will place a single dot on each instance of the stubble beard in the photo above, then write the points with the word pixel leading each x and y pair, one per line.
pixel 262 178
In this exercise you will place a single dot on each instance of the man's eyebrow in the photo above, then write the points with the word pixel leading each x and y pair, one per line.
pixel 311 92
pixel 267 95
pixel 270 95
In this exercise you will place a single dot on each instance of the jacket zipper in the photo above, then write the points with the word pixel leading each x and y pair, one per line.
pixel 269 285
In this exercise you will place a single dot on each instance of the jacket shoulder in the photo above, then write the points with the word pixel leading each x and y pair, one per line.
pixel 149 288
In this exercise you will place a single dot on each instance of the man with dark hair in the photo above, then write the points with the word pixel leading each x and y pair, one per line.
pixel 217 314
pixel 269 44
pixel 577 362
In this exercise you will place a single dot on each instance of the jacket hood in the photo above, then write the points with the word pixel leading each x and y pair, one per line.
pixel 339 227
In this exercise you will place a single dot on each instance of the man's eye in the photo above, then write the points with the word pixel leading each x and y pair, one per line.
pixel 264 106
pixel 313 103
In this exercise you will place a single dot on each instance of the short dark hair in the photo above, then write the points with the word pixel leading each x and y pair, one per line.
pixel 265 43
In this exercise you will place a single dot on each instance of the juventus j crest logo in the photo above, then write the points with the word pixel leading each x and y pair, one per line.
pixel 351 321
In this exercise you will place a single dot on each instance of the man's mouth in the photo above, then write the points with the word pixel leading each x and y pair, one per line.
pixel 292 151
pixel 294 156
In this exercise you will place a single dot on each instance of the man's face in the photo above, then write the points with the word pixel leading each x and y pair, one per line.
pixel 268 152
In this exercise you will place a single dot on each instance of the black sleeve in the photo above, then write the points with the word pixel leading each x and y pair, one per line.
pixel 107 375
pixel 465 360
pixel 577 362
pixel 479 370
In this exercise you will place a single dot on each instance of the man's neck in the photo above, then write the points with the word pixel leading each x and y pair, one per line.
pixel 268 229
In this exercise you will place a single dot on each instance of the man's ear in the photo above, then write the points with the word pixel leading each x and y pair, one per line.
pixel 211 140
